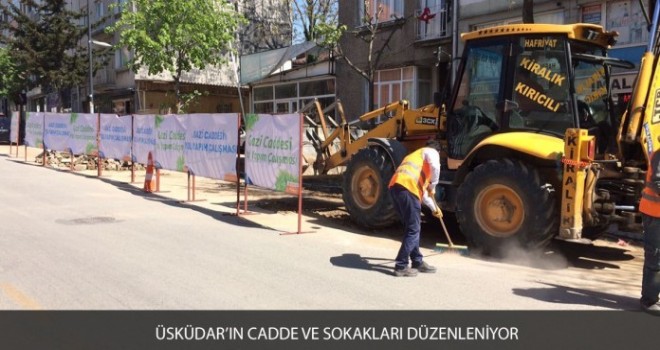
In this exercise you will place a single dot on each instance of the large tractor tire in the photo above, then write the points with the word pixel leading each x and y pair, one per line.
pixel 503 204
pixel 365 191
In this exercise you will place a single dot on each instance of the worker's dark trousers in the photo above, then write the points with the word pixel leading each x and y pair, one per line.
pixel 409 208
pixel 651 276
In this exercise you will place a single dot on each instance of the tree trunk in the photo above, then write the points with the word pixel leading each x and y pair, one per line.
pixel 371 94
pixel 528 11
pixel 177 93
pixel 60 99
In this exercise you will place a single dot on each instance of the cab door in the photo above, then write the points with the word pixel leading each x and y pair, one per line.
pixel 476 110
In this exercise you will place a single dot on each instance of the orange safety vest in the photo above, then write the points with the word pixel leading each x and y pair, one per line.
pixel 650 202
pixel 413 173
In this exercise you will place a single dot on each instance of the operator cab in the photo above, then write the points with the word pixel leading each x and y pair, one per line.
pixel 532 78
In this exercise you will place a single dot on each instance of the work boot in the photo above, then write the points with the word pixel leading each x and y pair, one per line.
pixel 650 308
pixel 407 272
pixel 423 267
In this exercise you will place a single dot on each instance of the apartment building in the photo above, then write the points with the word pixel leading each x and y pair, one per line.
pixel 412 52
pixel 117 89
pixel 416 49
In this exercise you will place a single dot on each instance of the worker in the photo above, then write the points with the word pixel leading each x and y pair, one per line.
pixel 649 206
pixel 413 182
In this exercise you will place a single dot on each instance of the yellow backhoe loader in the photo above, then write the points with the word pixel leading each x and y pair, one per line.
pixel 534 147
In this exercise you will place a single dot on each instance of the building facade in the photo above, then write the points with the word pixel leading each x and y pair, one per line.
pixel 118 89
pixel 415 50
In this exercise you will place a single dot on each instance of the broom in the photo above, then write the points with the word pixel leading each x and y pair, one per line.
pixel 451 247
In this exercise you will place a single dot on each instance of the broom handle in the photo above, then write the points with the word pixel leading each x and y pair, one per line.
pixel 444 228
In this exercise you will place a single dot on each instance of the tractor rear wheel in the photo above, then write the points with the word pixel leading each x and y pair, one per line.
pixel 365 191
pixel 503 203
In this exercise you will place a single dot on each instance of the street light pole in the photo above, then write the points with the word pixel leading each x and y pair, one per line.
pixel 91 68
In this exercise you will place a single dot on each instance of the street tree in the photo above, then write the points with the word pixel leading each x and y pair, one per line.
pixel 375 37
pixel 176 36
pixel 268 25
pixel 10 79
pixel 45 45
pixel 309 14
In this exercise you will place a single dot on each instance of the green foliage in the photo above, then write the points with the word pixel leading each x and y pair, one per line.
pixel 284 177
pixel 311 15
pixel 330 34
pixel 90 148
pixel 10 80
pixel 74 118
pixel 190 99
pixel 158 119
pixel 250 120
pixel 176 36
pixel 45 45
pixel 180 163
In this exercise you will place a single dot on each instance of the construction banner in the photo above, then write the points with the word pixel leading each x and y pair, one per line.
pixel 144 137
pixel 57 131
pixel 34 129
pixel 115 137
pixel 170 139
pixel 13 127
pixel 211 145
pixel 83 134
pixel 272 151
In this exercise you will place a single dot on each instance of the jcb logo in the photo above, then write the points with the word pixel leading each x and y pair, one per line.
pixel 425 121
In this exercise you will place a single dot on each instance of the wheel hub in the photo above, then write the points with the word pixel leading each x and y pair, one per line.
pixel 366 187
pixel 499 210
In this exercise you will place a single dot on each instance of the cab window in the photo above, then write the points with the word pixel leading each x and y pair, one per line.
pixel 541 85
pixel 474 114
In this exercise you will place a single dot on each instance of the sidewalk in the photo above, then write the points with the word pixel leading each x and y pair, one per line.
pixel 269 209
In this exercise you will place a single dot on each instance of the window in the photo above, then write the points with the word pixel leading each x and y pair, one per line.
pixel 99 10
pixel 408 83
pixel 385 10
pixel 120 6
pixel 122 56
pixel 263 93
pixel 289 97
pixel 286 91
pixel 435 27
pixel 540 86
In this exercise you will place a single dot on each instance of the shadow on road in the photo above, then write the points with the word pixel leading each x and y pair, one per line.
pixel 577 296
pixel 224 217
pixel 355 261
pixel 327 210
pixel 127 187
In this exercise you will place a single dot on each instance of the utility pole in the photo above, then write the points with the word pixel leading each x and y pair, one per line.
pixel 89 53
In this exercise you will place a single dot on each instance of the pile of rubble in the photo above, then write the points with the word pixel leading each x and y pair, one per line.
pixel 82 162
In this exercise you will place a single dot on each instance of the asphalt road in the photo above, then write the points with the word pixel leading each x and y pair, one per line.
pixel 73 241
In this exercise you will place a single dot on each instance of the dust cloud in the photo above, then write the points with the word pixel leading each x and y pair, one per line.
pixel 545 258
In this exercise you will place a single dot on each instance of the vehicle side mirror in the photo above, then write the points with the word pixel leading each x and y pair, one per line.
pixel 508 106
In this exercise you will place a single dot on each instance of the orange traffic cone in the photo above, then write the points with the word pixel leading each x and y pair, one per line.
pixel 148 179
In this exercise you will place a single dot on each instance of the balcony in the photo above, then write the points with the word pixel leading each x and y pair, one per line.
pixel 436 28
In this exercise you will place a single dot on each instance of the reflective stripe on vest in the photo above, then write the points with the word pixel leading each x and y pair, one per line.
pixel 651 197
pixel 412 174
pixel 650 202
